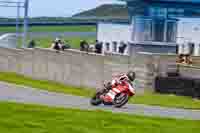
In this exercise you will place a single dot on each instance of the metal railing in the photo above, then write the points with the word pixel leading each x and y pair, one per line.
pixel 19 5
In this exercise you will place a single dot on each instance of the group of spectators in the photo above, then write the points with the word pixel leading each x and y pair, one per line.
pixel 57 44
pixel 97 47
pixel 184 59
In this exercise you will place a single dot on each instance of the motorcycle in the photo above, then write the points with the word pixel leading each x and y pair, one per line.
pixel 122 95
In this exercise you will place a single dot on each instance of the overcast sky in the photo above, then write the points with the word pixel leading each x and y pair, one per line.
pixel 55 7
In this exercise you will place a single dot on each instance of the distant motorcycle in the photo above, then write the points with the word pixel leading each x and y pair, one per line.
pixel 122 95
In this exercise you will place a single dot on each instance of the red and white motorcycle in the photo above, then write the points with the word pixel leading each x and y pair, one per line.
pixel 118 95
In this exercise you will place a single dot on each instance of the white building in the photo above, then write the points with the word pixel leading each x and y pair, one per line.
pixel 154 25
pixel 112 34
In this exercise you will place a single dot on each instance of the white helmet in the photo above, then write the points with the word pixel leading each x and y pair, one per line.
pixel 57 39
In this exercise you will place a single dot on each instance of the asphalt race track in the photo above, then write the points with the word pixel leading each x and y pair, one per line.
pixel 20 94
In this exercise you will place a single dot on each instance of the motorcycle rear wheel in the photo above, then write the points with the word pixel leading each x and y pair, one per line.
pixel 95 100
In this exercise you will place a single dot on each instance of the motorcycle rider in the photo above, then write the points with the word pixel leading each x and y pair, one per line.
pixel 120 79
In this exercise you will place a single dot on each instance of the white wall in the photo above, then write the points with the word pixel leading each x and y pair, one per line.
pixel 197 50
pixel 109 32
pixel 189 31
pixel 184 48
pixel 113 32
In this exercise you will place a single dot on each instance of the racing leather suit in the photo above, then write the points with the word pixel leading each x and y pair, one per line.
pixel 120 79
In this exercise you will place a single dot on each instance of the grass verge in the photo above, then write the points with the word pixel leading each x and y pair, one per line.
pixel 45 85
pixel 21 118
pixel 147 98
pixel 51 29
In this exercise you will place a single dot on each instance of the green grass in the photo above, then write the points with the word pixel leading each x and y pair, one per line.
pixel 52 29
pixel 148 98
pixel 46 42
pixel 166 100
pixel 45 85
pixel 21 118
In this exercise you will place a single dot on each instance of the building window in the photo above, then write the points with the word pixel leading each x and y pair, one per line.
pixel 158 26
pixel 175 12
pixel 143 30
pixel 171 31
pixel 158 12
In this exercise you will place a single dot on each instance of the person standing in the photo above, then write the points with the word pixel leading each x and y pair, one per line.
pixel 56 44
pixel 84 46
pixel 98 47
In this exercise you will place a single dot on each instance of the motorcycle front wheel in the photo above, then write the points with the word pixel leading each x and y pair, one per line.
pixel 120 100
